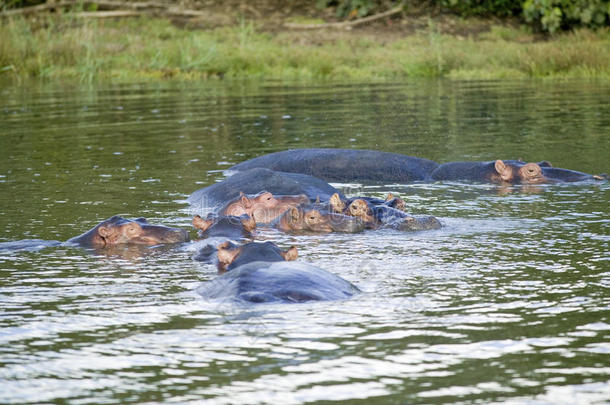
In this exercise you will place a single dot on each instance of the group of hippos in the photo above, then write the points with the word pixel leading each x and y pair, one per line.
pixel 288 190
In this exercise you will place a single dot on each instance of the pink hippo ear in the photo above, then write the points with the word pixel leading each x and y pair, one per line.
pixel 202 224
pixel 290 254
pixel 245 201
pixel 505 172
pixel 336 204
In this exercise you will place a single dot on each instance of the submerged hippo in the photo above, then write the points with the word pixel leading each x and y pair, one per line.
pixel 263 207
pixel 508 171
pixel 111 232
pixel 257 273
pixel 314 218
pixel 232 227
pixel 118 230
pixel 256 180
pixel 231 256
pixel 376 214
pixel 345 165
pixel 338 204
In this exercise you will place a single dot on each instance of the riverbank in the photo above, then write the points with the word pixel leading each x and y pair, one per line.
pixel 68 47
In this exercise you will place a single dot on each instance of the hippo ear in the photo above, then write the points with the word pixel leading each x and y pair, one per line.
pixel 389 197
pixel 503 170
pixel 295 214
pixel 336 204
pixel 202 224
pixel 226 255
pixel 290 254
pixel 245 201
pixel 318 199
pixel 545 163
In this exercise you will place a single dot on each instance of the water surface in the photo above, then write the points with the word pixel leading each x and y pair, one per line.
pixel 507 303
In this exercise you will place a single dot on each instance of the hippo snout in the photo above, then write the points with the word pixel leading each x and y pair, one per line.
pixel 419 223
pixel 177 235
pixel 347 224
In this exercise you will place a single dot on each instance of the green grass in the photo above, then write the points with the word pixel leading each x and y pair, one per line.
pixel 151 49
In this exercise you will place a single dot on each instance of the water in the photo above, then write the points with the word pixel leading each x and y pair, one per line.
pixel 507 303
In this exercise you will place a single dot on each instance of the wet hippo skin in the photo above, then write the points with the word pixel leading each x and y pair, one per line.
pixel 232 227
pixel 345 165
pixel 317 218
pixel 118 230
pixel 111 232
pixel 262 272
pixel 263 207
pixel 256 180
pixel 508 171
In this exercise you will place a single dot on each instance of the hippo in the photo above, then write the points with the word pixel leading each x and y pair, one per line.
pixel 261 273
pixel 508 171
pixel 111 232
pixel 377 214
pixel 256 180
pixel 263 207
pixel 118 230
pixel 345 165
pixel 316 218
pixel 218 230
pixel 338 205
pixel 231 256
pixel 232 227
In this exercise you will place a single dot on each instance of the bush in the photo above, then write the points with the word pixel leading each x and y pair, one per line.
pixel 552 15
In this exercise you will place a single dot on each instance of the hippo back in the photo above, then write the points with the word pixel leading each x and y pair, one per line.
pixel 345 165
pixel 278 282
pixel 28 245
pixel 257 180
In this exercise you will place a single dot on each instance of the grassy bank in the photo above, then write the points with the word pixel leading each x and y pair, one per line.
pixel 140 49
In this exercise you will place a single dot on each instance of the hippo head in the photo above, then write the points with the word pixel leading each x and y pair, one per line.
pixel 264 207
pixel 244 222
pixel 360 209
pixel 518 172
pixel 307 219
pixel 267 210
pixel 118 230
pixel 244 205
pixel 231 256
pixel 515 171
pixel 395 202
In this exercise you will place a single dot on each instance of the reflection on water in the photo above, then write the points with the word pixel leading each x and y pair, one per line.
pixel 507 303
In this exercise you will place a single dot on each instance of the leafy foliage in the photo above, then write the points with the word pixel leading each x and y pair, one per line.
pixel 549 15
pixel 552 15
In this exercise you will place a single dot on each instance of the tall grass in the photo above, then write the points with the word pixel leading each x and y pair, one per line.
pixel 89 50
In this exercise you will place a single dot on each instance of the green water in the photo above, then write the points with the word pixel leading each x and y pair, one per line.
pixel 507 303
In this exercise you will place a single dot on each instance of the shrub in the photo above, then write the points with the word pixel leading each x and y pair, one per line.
pixel 552 15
